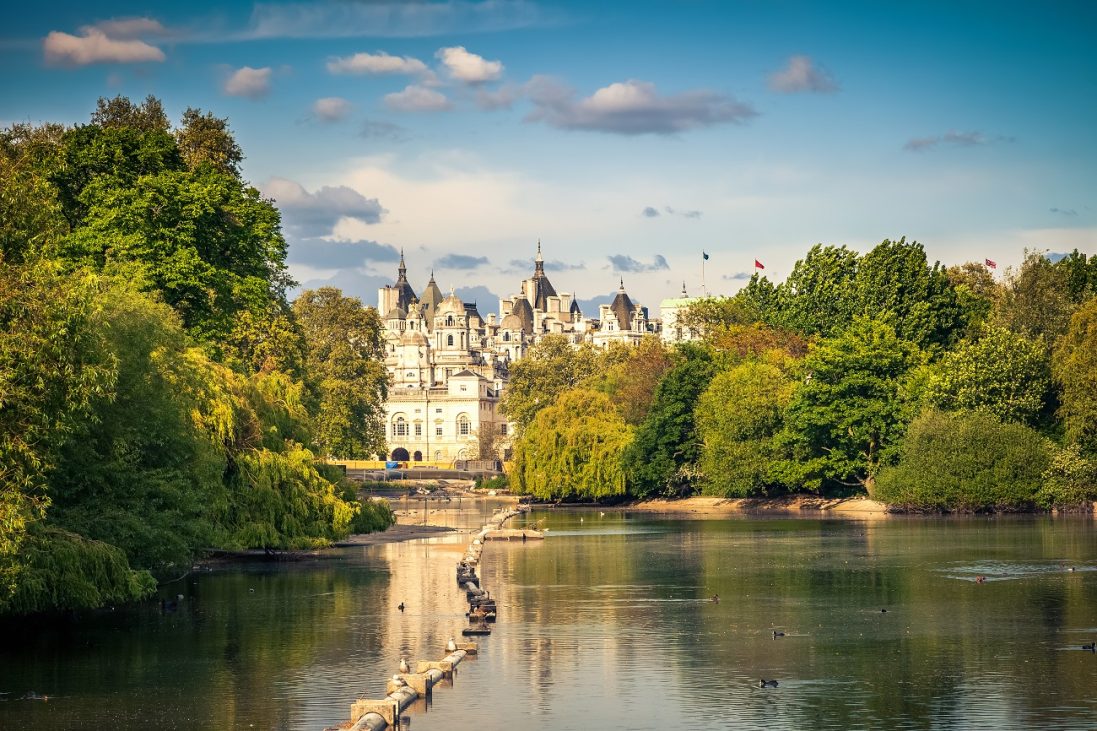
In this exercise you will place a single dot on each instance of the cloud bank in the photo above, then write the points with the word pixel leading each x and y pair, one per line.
pixel 631 108
pixel 311 215
pixel 625 263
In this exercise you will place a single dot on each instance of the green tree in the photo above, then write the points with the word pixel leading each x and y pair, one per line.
pixel 1001 373
pixel 738 417
pixel 549 368
pixel 895 281
pixel 120 112
pixel 1080 273
pixel 1070 481
pixel 966 461
pixel 1074 366
pixel 139 475
pixel 572 449
pixel 847 414
pixel 204 139
pixel 976 293
pixel 818 297
pixel 345 361
pixel 1036 299
pixel 52 372
pixel 663 456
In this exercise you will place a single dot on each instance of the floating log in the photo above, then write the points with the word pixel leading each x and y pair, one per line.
pixel 475 631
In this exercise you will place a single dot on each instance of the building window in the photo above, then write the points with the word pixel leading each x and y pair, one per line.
pixel 418 430
pixel 503 429
pixel 438 411
pixel 399 427
pixel 506 338
pixel 437 431
pixel 449 340
pixel 463 426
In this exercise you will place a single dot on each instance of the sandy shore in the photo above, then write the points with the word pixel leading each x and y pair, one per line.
pixel 791 505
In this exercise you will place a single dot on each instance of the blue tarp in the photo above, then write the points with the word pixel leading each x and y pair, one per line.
pixel 391 465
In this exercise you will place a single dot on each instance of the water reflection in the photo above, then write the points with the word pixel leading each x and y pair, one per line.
pixel 608 624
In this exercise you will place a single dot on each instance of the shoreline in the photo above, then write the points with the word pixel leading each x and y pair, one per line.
pixel 807 506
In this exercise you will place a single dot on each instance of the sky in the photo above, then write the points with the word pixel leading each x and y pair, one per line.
pixel 629 138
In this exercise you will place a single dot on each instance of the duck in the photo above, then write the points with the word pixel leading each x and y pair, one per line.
pixel 404 666
pixel 715 599
pixel 1092 647
pixel 883 611
pixel 451 646
pixel 763 683
pixel 400 606
pixel 777 634
pixel 980 579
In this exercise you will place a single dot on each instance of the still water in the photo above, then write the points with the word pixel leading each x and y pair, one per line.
pixel 609 624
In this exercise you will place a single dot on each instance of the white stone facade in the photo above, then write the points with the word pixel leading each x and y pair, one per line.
pixel 448 366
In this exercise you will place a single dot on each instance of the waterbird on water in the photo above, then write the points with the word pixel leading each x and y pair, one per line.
pixel 980 579
pixel 777 634
pixel 715 598
pixel 1092 647
pixel 404 666
pixel 400 606
pixel 763 683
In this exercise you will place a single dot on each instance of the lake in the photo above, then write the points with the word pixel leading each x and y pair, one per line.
pixel 608 624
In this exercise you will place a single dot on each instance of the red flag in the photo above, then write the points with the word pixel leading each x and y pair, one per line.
pixel 991 264
pixel 758 264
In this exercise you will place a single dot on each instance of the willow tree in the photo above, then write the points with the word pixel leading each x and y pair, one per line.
pixel 572 449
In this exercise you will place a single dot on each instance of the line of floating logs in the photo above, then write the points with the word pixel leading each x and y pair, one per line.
pixel 404 688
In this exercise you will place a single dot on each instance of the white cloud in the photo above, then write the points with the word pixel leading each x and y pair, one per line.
pixel 377 63
pixel 331 108
pixel 801 74
pixel 95 46
pixel 631 108
pixel 469 67
pixel 416 98
pixel 249 82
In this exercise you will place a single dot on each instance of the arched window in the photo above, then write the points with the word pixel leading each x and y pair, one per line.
pixel 399 427
pixel 506 337
pixel 449 340
pixel 449 320
pixel 464 426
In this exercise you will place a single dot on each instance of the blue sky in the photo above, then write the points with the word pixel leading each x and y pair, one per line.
pixel 627 137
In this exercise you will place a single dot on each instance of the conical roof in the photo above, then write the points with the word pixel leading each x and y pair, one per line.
pixel 542 287
pixel 432 297
pixel 622 308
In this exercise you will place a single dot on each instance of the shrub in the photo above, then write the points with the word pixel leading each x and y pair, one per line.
pixel 966 461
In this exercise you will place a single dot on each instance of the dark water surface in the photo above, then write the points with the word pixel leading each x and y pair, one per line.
pixel 607 624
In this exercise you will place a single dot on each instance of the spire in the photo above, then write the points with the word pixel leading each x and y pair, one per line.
pixel 684 295
pixel 432 277
pixel 403 270
pixel 539 262
pixel 622 288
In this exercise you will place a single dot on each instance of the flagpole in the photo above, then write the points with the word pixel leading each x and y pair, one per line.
pixel 704 292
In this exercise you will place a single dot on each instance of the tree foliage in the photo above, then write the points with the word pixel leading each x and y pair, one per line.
pixel 345 361
pixel 1036 299
pixel 663 456
pixel 572 449
pixel 631 382
pixel 549 368
pixel 966 461
pixel 1000 372
pixel 1075 369
pixel 738 416
pixel 847 413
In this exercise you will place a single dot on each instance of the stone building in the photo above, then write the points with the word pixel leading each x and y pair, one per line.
pixel 448 365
